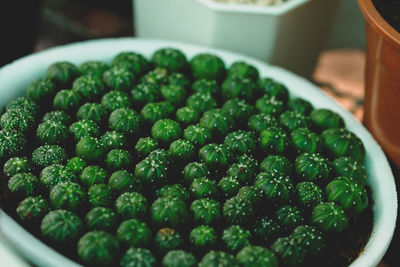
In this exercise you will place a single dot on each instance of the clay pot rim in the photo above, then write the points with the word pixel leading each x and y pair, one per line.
pixel 375 19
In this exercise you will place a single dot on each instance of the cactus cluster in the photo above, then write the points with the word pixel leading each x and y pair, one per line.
pixel 175 162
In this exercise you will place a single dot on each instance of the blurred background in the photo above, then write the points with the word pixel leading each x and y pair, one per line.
pixel 29 26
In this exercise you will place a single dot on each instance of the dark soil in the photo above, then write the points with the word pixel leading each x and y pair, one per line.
pixel 390 11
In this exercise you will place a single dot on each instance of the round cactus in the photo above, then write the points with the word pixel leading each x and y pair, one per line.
pixel 17 165
pixel 61 226
pixel 292 120
pixel 270 105
pixel 121 181
pixel 273 140
pixel 277 189
pixel 119 77
pixel 348 167
pixel 252 194
pixel 116 99
pixel 175 94
pixel 55 174
pixel 208 66
pixel 126 121
pixel 174 190
pixel 205 86
pixel 67 100
pixel 229 186
pixel 289 251
pixel 194 170
pixel 218 258
pixel 182 151
pixel 76 165
pixel 242 172
pixel 138 257
pixel 166 130
pixel 18 120
pixel 23 184
pixel 158 76
pixel 93 68
pixel 92 111
pixel 308 194
pixel 329 217
pixel 256 256
pixel 310 238
pixel 135 62
pixel 41 90
pixel 167 239
pixel 131 205
pixel 350 195
pixel 162 156
pixel 145 93
pixel 217 157
pixel 179 258
pixel 90 149
pixel 265 230
pixel 135 233
pixel 197 135
pixel 179 79
pixel 186 116
pixel 169 212
pixel 12 143
pixel 169 58
pixel 203 187
pixel 313 168
pixel 89 87
pixel 203 237
pixel 98 248
pixel 25 104
pixel 201 101
pixel 239 109
pixel 113 140
pixel 323 119
pixel 218 122
pixel 288 217
pixel 261 121
pixel 300 105
pixel 145 145
pixel 151 172
pixel 82 128
pixel 100 195
pixel 235 86
pixel 62 73
pixel 240 142
pixel 101 218
pixel 273 88
pixel 237 210
pixel 118 159
pixel 152 112
pixel 243 70
pixel 32 209
pixel 235 238
pixel 46 155
pixel 277 164
pixel 306 141
pixel 57 116
pixel 341 142
pixel 69 196
pixel 93 175
pixel 206 211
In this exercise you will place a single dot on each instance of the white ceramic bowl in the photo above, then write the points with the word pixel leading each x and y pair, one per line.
pixel 290 35
pixel 15 77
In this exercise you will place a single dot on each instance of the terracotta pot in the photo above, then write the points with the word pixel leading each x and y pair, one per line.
pixel 382 81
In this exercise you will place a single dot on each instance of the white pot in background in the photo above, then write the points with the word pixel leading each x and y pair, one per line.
pixel 290 35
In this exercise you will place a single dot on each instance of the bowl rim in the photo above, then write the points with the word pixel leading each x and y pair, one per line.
pixel 383 193
pixel 252 9
pixel 375 19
